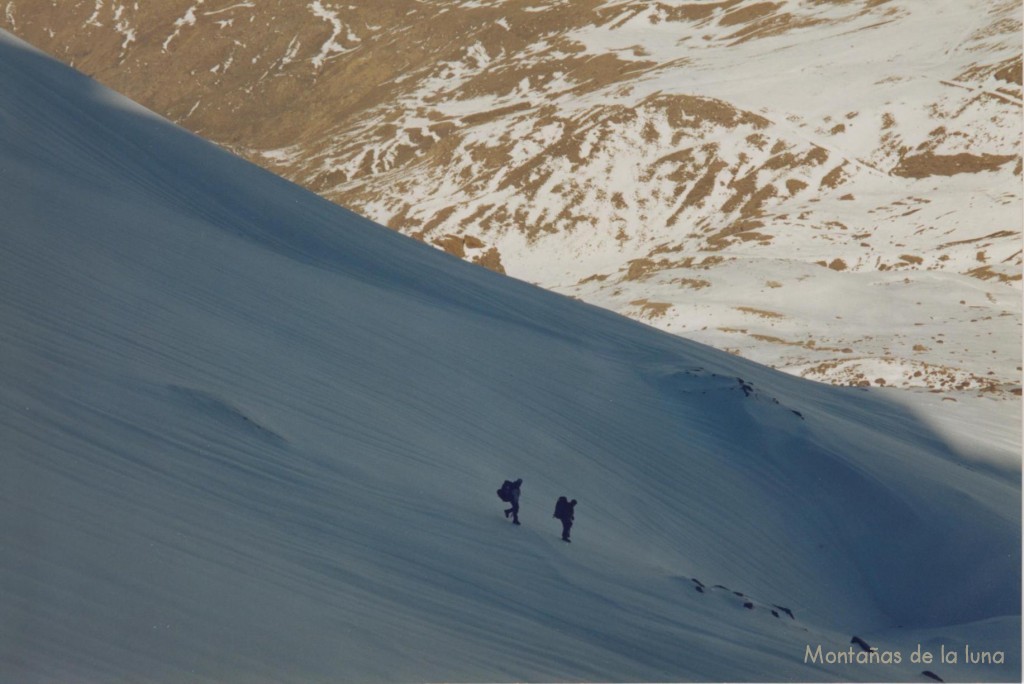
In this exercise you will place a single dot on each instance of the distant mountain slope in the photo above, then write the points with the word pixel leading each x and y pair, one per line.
pixel 250 436
pixel 679 162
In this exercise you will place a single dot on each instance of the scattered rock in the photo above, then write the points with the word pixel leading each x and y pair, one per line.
pixel 787 611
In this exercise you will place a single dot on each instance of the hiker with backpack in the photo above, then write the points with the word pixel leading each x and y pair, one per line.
pixel 565 511
pixel 509 492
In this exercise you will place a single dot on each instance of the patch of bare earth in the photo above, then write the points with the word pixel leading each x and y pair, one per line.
pixel 1010 71
pixel 987 273
pixel 762 22
pixel 930 164
pixel 759 312
pixel 691 283
pixel 651 310
pixel 491 259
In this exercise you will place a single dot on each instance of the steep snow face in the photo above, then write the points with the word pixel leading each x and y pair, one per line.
pixel 852 168
pixel 251 436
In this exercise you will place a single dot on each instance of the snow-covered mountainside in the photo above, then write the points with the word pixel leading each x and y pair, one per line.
pixel 828 187
pixel 250 436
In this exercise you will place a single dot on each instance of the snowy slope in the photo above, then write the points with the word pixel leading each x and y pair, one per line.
pixel 252 437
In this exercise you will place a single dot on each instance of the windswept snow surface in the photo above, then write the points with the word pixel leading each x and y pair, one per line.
pixel 249 436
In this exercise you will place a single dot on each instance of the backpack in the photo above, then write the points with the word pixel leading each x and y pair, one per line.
pixel 561 508
pixel 505 493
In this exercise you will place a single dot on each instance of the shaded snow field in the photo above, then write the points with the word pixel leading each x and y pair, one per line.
pixel 250 436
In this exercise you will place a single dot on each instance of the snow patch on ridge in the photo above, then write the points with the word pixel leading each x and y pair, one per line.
pixel 187 19
pixel 330 47
pixel 93 19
